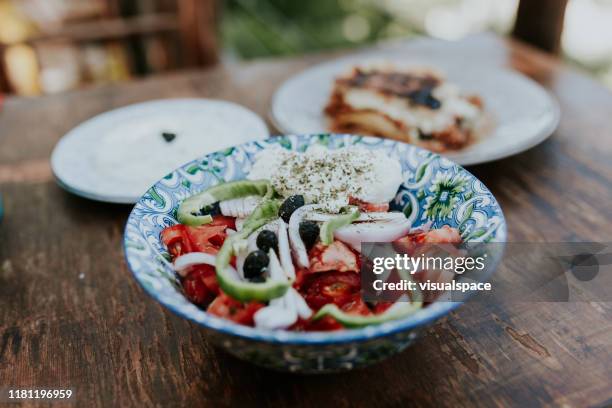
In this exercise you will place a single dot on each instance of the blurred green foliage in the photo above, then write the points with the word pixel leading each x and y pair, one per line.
pixel 255 28
pixel 259 28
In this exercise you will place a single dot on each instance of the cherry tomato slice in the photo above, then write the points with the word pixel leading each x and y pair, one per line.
pixel 176 239
pixel 330 287
pixel 208 276
pixel 210 237
pixel 231 309
pixel 196 290
pixel 326 323
pixel 357 306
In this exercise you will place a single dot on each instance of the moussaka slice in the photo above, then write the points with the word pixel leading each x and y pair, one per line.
pixel 413 105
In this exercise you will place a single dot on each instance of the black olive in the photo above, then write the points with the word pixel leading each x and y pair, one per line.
pixel 255 264
pixel 168 136
pixel 258 279
pixel 212 209
pixel 289 206
pixel 267 240
pixel 309 232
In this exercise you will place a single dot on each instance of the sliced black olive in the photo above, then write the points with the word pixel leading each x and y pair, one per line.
pixel 424 97
pixel 425 136
pixel 432 102
pixel 168 136
pixel 309 232
pixel 419 97
pixel 212 210
pixel 289 206
pixel 267 240
pixel 255 264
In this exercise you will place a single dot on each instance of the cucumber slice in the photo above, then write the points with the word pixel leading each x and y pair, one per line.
pixel 326 233
pixel 243 290
pixel 189 211
pixel 355 321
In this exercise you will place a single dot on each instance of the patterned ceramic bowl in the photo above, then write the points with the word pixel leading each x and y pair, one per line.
pixel 435 190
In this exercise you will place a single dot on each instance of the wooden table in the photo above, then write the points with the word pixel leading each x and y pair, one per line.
pixel 71 315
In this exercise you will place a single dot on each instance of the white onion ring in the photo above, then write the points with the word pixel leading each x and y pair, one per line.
pixel 301 306
pixel 383 231
pixel 282 312
pixel 239 223
pixel 239 207
pixel 274 267
pixel 284 251
pixel 240 258
pixel 252 241
pixel 274 318
pixel 184 262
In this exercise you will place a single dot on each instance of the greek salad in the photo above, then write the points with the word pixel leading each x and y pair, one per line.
pixel 280 250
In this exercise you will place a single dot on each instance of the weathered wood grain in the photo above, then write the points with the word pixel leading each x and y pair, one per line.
pixel 70 314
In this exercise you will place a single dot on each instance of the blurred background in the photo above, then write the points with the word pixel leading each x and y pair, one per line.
pixel 51 46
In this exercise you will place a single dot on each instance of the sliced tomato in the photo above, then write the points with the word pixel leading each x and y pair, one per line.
pixel 196 290
pixel 357 306
pixel 369 207
pixel 326 323
pixel 382 307
pixel 177 240
pixel 231 309
pixel 181 239
pixel 330 287
pixel 334 257
pixel 207 238
pixel 229 222
pixel 210 280
pixel 300 278
pixel 207 274
pixel 443 235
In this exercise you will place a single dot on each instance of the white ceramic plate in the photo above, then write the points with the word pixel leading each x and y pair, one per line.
pixel 116 156
pixel 523 114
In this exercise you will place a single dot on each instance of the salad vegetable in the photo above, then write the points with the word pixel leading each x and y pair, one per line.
pixel 196 210
pixel 397 311
pixel 282 251
pixel 329 226
pixel 228 278
pixel 297 244
pixel 402 308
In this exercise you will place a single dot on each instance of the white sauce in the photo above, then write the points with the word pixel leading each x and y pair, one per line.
pixel 132 155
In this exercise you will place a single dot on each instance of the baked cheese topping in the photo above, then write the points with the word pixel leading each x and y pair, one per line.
pixel 452 105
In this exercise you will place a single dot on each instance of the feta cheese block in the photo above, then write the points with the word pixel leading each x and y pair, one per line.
pixel 330 178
